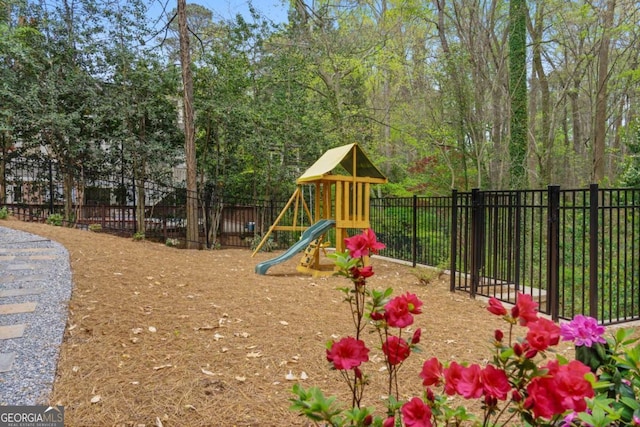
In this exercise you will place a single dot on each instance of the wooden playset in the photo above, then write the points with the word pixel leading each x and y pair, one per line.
pixel 341 180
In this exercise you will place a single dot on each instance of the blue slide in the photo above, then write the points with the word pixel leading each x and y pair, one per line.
pixel 309 235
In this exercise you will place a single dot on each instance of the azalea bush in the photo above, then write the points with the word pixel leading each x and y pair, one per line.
pixel 522 384
pixel 615 359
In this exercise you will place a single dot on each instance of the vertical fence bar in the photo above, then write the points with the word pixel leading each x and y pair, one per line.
pixel 477 224
pixel 414 232
pixel 454 240
pixel 593 250
pixel 553 250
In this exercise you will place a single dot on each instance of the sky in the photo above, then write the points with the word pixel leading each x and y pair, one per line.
pixel 275 10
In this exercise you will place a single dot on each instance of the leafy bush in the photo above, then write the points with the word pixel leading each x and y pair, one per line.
pixel 172 242
pixel 55 219
pixel 4 213
pixel 269 245
pixel 138 236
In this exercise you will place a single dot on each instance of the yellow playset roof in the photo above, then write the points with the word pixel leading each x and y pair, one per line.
pixel 351 158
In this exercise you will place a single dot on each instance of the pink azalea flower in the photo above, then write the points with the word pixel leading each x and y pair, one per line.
pixel 452 376
pixel 348 353
pixel 583 331
pixel 470 386
pixel 415 413
pixel 397 313
pixel 396 349
pixel 496 307
pixel 542 334
pixel 526 309
pixel 363 244
pixel 495 382
pixel 431 373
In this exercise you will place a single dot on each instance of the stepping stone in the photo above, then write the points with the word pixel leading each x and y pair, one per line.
pixel 20 292
pixel 6 361
pixel 33 250
pixel 10 278
pixel 12 331
pixel 21 266
pixel 24 307
pixel 43 257
pixel 7 258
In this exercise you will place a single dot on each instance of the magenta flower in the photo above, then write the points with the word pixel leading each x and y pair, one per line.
pixel 363 244
pixel 415 413
pixel 348 353
pixel 583 331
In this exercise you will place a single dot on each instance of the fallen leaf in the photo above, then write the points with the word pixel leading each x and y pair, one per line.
pixel 218 337
pixel 303 375
pixel 290 376
pixel 241 379
pixel 204 328
pixel 152 329
pixel 284 322
pixel 157 368
pixel 95 399
pixel 189 407
pixel 136 330
pixel 254 354
pixel 204 371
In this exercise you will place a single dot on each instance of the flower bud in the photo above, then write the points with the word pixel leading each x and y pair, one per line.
pixel 416 336
pixel 516 396
pixel 368 420
pixel 498 335
pixel 515 311
pixel 357 372
pixel 430 396
pixel 376 315
pixel 517 349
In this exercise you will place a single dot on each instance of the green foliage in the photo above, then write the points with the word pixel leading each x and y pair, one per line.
pixel 96 228
pixel 518 91
pixel 268 246
pixel 138 236
pixel 172 242
pixel 4 213
pixel 618 388
pixel 55 219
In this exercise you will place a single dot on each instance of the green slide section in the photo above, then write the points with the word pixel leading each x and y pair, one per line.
pixel 309 235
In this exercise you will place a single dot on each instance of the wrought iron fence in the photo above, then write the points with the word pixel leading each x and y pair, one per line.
pixel 33 190
pixel 574 251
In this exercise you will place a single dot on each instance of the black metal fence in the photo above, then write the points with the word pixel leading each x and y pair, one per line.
pixel 33 191
pixel 574 251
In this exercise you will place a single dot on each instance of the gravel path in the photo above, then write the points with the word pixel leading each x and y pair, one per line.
pixel 36 270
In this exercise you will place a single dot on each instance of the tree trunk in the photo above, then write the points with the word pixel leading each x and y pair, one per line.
pixel 600 119
pixel 193 238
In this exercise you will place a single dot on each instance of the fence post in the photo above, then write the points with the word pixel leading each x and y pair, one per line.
pixel 553 250
pixel 477 224
pixel 454 240
pixel 50 186
pixel 593 250
pixel 414 232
